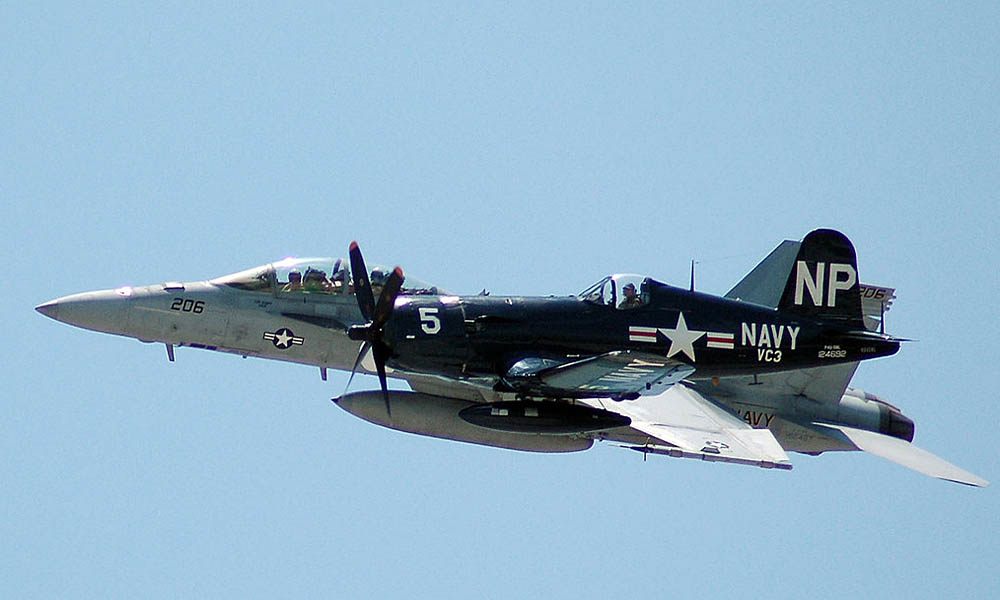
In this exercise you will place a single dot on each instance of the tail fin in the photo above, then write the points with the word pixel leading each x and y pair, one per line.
pixel 765 284
pixel 823 282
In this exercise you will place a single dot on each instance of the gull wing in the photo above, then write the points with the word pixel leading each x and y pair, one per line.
pixel 681 422
pixel 621 373
pixel 903 453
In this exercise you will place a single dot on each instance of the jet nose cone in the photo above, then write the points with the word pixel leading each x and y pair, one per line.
pixel 50 309
pixel 99 311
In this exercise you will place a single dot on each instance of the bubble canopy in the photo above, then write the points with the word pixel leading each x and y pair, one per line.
pixel 315 276
pixel 622 291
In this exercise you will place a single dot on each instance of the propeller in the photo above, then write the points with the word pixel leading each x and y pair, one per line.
pixel 371 333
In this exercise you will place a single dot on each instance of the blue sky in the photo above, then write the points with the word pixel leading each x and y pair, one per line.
pixel 527 149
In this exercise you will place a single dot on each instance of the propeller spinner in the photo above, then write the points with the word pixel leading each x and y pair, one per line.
pixel 371 333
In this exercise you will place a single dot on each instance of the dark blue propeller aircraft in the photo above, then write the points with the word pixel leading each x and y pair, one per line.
pixel 654 368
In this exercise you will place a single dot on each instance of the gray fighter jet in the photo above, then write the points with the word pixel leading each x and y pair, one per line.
pixel 741 379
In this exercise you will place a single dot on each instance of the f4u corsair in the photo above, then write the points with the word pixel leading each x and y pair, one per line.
pixel 658 369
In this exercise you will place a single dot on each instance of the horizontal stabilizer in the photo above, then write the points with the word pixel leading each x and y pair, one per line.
pixel 875 302
pixel 904 453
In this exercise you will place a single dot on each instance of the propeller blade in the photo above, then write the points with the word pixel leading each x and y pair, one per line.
pixel 387 300
pixel 377 316
pixel 362 285
pixel 381 353
pixel 357 363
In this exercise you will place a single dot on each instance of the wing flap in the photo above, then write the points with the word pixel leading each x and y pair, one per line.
pixel 906 454
pixel 681 422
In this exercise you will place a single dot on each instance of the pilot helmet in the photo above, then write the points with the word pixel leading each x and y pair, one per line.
pixel 337 272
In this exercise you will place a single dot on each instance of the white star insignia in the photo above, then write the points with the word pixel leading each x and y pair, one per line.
pixel 682 339
pixel 282 339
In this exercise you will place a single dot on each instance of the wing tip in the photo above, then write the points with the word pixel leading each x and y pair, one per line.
pixel 972 481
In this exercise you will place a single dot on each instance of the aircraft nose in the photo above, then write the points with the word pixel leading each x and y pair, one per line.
pixel 99 311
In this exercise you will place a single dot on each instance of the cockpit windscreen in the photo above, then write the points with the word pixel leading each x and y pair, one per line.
pixel 315 276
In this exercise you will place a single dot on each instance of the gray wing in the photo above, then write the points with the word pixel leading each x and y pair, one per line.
pixel 824 385
pixel 823 388
pixel 683 423
pixel 903 453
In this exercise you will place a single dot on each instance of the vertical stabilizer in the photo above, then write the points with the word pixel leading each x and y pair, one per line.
pixel 823 282
pixel 765 284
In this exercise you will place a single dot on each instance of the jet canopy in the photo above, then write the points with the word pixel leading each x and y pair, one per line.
pixel 315 276
pixel 622 291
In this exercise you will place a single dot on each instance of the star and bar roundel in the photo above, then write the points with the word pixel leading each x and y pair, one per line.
pixel 681 338
pixel 283 338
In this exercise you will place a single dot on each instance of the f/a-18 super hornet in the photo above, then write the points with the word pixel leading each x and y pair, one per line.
pixel 658 369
